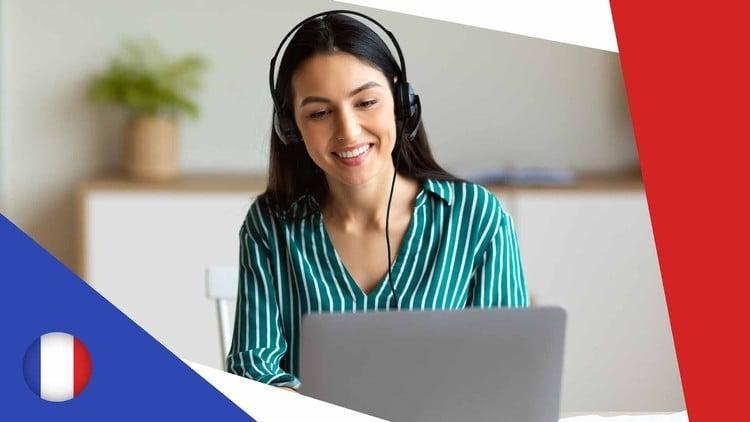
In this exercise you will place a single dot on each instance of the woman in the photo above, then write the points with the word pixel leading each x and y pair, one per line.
pixel 313 241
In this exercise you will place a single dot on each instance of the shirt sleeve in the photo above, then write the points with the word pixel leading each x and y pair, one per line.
pixel 258 345
pixel 498 277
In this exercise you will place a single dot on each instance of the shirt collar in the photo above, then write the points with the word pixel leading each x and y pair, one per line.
pixel 443 189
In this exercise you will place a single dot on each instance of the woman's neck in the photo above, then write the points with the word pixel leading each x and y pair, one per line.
pixel 363 207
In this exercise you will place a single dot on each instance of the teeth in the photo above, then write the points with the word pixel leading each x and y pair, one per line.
pixel 357 152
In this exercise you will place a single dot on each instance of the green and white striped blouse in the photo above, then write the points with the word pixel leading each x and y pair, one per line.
pixel 460 250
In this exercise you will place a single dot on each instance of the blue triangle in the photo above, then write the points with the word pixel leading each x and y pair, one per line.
pixel 134 377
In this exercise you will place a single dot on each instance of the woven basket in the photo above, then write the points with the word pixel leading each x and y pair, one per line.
pixel 151 148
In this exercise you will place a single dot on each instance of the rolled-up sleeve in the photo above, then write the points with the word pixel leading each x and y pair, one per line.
pixel 498 277
pixel 258 345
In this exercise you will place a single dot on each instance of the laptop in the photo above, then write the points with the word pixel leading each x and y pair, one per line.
pixel 498 364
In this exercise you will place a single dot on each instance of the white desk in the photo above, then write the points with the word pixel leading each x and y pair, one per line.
pixel 680 416
pixel 571 414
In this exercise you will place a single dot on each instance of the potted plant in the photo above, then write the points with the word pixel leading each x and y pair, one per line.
pixel 155 91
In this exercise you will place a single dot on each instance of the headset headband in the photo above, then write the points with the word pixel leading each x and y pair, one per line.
pixel 330 12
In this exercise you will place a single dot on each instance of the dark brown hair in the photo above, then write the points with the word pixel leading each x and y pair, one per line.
pixel 292 173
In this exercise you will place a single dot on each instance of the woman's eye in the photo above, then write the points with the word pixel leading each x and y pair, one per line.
pixel 368 104
pixel 318 115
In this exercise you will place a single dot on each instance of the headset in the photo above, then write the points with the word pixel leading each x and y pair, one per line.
pixel 407 110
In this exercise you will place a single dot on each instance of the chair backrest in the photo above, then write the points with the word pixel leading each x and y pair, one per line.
pixel 221 286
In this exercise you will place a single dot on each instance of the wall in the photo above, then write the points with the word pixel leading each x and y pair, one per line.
pixel 515 100
pixel 3 108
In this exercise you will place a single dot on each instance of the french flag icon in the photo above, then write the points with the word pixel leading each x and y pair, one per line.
pixel 57 366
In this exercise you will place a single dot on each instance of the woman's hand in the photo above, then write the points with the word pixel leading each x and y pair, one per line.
pixel 289 388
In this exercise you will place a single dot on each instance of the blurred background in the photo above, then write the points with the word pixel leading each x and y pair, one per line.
pixel 545 125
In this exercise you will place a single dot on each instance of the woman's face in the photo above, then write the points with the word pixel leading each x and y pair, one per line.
pixel 343 105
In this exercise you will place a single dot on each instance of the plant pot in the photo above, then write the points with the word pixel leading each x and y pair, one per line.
pixel 151 148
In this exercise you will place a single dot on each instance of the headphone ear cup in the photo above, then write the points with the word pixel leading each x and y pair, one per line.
pixel 401 101
pixel 415 120
pixel 408 109
pixel 285 129
pixel 412 100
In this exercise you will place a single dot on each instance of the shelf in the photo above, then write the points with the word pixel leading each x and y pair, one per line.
pixel 239 182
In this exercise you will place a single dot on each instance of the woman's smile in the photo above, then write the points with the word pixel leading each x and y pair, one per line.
pixel 355 156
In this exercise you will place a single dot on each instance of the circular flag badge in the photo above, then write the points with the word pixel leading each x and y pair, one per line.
pixel 57 366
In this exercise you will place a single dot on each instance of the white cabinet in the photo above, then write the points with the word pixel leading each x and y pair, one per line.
pixel 147 252
pixel 593 253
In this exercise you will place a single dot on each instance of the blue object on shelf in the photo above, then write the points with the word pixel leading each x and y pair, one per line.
pixel 523 176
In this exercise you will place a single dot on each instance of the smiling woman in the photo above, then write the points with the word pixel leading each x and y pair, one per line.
pixel 344 133
pixel 349 134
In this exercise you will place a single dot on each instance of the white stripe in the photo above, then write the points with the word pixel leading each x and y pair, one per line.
pixel 322 279
pixel 482 285
pixel 447 249
pixel 410 278
pixel 481 238
pixel 303 258
pixel 301 265
pixel 429 252
pixel 465 255
pixel 454 246
pixel 487 225
pixel 295 317
pixel 56 367
pixel 266 297
pixel 334 279
pixel 421 198
pixel 439 222
pixel 267 285
pixel 396 286
pixel 504 274
pixel 278 291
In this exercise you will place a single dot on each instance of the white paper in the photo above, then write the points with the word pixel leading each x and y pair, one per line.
pixel 266 403
pixel 672 417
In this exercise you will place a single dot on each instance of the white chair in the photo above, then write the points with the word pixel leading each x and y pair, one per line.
pixel 221 286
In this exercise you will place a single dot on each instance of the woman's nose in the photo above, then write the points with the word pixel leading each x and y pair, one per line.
pixel 348 125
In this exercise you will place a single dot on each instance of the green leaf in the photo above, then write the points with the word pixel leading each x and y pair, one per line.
pixel 144 80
